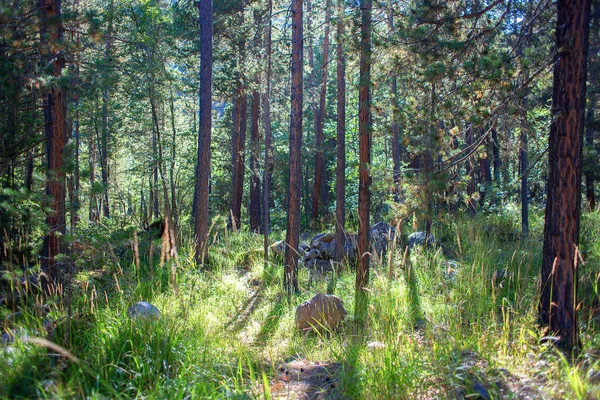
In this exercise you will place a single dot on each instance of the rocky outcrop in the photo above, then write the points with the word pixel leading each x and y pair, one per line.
pixel 321 313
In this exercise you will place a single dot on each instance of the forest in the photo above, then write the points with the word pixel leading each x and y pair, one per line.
pixel 299 199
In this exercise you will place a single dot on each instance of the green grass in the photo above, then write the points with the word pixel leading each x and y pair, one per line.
pixel 428 335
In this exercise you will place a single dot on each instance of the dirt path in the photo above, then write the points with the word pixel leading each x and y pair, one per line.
pixel 302 379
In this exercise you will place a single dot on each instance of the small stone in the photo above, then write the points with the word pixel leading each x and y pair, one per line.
pixel 323 311
pixel 143 310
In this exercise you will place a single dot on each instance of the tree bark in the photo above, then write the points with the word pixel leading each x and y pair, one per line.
pixel 290 278
pixel 563 207
pixel 267 127
pixel 593 69
pixel 254 171
pixel 496 153
pixel 238 158
pixel 523 150
pixel 469 171
pixel 205 10
pixel 340 182
pixel 55 110
pixel 364 173
pixel 320 183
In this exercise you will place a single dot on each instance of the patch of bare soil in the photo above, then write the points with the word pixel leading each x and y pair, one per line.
pixel 302 379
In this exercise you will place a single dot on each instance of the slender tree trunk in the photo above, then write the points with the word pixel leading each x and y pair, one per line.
pixel 470 172
pixel 174 210
pixel 563 207
pixel 364 173
pixel 340 182
pixel 55 110
pixel 290 278
pixel 202 217
pixel 589 141
pixel 523 149
pixel 154 186
pixel 254 170
pixel 496 153
pixel 593 70
pixel 239 162
pixel 93 212
pixel 105 140
pixel 267 126
pixel 320 182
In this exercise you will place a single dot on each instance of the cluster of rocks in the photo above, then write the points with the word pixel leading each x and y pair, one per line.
pixel 319 253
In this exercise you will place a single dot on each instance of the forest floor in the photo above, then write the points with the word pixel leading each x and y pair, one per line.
pixel 228 331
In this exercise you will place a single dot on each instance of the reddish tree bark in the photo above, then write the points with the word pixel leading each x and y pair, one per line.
pixel 364 173
pixel 563 207
pixel 320 182
pixel 205 10
pixel 340 182
pixel 290 278
pixel 267 126
pixel 55 110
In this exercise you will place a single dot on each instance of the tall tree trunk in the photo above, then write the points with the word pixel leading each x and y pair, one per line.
pixel 154 185
pixel 320 182
pixel 254 170
pixel 290 278
pixel 593 70
pixel 267 126
pixel 563 207
pixel 55 110
pixel 238 158
pixel 205 10
pixel 523 161
pixel 105 140
pixel 469 140
pixel 485 168
pixel 93 211
pixel 174 211
pixel 340 181
pixel 364 173
pixel 496 153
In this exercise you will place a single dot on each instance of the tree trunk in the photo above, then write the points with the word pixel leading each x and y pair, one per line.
pixel 94 212
pixel 496 153
pixel 563 207
pixel 238 158
pixel 593 70
pixel 364 173
pixel 320 182
pixel 290 278
pixel 174 211
pixel 254 170
pixel 105 140
pixel 205 10
pixel 469 171
pixel 55 110
pixel 267 126
pixel 340 181
pixel 523 149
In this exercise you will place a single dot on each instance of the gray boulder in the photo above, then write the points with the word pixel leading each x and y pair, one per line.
pixel 143 310
pixel 420 239
pixel 382 235
pixel 322 312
